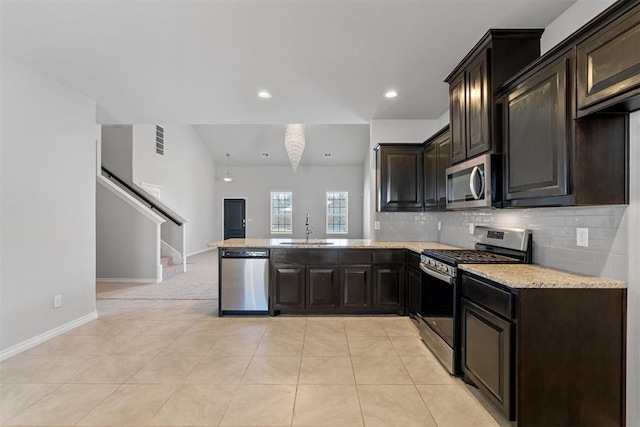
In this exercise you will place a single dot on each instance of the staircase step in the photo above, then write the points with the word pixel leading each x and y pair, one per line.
pixel 166 260
pixel 169 271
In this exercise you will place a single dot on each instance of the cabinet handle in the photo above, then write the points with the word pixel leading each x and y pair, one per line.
pixel 472 183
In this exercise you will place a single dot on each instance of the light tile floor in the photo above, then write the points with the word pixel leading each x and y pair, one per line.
pixel 174 363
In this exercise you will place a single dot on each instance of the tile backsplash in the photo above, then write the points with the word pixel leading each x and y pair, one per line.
pixel 406 227
pixel 554 234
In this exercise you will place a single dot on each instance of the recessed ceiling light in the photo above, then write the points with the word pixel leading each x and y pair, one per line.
pixel 391 94
pixel 264 94
pixel 264 154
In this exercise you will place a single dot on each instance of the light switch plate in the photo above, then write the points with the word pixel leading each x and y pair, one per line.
pixel 472 228
pixel 376 225
pixel 439 225
pixel 582 237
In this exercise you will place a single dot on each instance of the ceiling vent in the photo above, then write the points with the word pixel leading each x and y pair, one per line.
pixel 160 140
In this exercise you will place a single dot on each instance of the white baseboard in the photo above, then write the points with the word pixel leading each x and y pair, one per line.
pixel 127 280
pixel 200 251
pixel 32 342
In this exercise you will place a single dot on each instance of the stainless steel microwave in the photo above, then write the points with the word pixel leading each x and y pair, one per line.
pixel 474 183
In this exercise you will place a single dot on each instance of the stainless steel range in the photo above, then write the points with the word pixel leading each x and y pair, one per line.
pixel 437 313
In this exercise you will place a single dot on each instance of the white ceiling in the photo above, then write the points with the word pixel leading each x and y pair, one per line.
pixel 203 62
pixel 346 144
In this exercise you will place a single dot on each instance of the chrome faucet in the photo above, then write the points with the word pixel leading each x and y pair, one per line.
pixel 308 230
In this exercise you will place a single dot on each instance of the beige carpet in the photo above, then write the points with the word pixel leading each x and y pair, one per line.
pixel 200 281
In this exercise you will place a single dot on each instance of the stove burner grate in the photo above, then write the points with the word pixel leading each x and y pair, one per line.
pixel 469 256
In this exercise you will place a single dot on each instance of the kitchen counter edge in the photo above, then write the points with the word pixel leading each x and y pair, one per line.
pixel 336 244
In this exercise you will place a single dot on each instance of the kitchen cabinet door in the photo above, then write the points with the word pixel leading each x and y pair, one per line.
pixel 322 292
pixel 431 176
pixel 536 134
pixel 356 287
pixel 477 107
pixel 457 119
pixel 400 177
pixel 608 68
pixel 443 161
pixel 436 161
pixel 486 354
pixel 288 287
pixel 472 103
pixel 389 287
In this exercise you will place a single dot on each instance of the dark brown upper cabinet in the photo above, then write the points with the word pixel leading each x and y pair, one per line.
pixel 552 158
pixel 400 177
pixel 536 126
pixel 472 108
pixel 436 161
pixel 608 69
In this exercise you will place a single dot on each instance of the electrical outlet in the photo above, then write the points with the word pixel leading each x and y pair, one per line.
pixel 472 227
pixel 582 237
pixel 439 225
pixel 376 225
pixel 57 301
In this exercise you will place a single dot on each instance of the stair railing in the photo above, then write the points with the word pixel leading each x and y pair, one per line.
pixel 143 197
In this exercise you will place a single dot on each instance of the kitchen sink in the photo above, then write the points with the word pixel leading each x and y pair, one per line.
pixel 311 243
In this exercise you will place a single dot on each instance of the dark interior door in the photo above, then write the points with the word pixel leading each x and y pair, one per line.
pixel 234 219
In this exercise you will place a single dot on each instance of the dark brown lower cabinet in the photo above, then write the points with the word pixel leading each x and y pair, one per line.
pixel 486 356
pixel 326 281
pixel 322 287
pixel 389 286
pixel 546 356
pixel 288 287
pixel 356 287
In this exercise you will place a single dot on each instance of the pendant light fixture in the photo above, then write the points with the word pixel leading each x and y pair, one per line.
pixel 294 144
pixel 228 178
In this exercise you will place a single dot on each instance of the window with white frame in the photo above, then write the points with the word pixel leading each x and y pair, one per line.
pixel 337 212
pixel 281 212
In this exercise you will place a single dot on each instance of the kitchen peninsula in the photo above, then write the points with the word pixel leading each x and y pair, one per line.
pixel 335 276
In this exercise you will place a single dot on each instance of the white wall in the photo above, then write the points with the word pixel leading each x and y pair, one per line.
pixel 309 186
pixel 117 150
pixel 187 174
pixel 633 295
pixel 47 221
pixel 571 20
pixel 127 242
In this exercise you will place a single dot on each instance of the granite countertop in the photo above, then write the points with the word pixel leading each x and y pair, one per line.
pixel 335 243
pixel 520 276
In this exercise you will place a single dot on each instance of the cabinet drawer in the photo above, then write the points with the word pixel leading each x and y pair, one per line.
pixel 355 256
pixel 497 300
pixel 388 257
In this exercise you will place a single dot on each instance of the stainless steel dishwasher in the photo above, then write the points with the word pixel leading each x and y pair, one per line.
pixel 244 281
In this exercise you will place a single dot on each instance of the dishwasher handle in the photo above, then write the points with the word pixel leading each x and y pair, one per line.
pixel 245 253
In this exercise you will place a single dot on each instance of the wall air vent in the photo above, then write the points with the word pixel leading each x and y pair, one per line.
pixel 160 140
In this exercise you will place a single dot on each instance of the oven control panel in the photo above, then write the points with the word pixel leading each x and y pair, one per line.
pixel 439 266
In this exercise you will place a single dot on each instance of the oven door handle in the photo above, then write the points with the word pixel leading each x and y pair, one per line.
pixel 444 277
